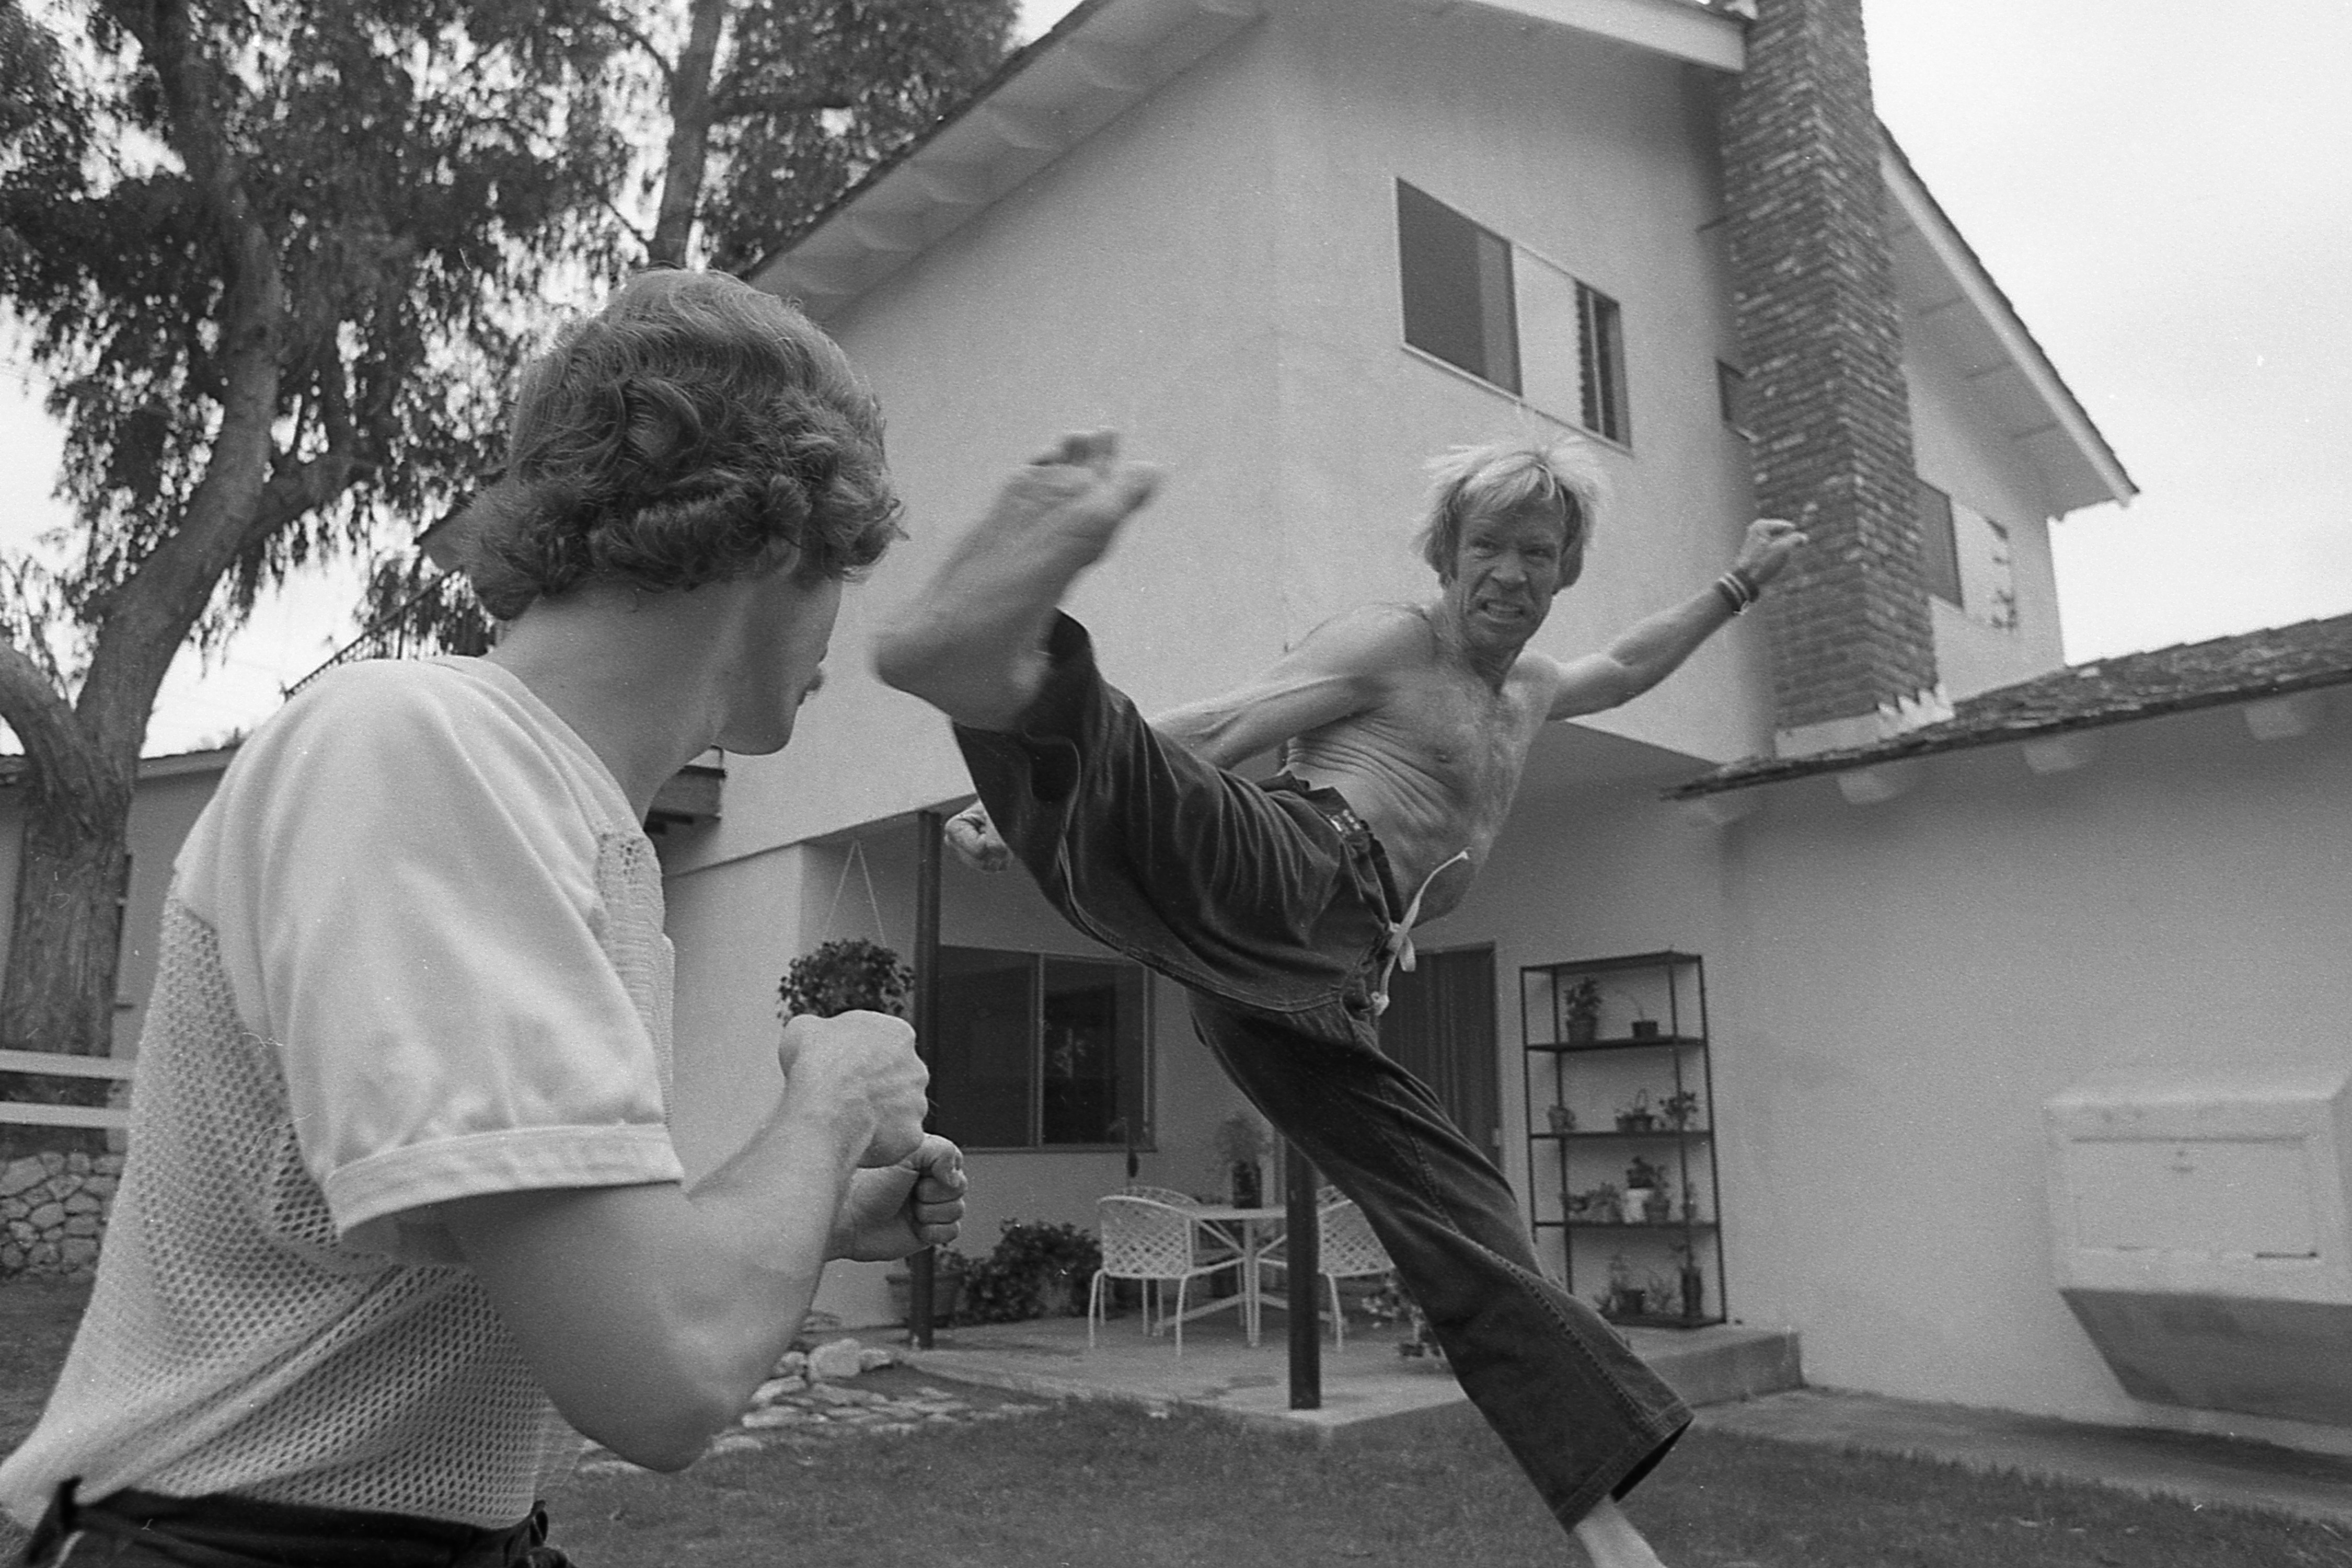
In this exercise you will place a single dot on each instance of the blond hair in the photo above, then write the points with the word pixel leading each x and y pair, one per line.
pixel 1498 477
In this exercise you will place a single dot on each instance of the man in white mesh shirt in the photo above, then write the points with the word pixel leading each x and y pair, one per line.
pixel 401 1201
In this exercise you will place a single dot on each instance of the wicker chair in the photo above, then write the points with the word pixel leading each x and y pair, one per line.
pixel 1156 1242
pixel 1345 1248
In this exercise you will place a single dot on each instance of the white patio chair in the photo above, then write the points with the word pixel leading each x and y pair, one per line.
pixel 1156 1242
pixel 1209 1242
pixel 1345 1248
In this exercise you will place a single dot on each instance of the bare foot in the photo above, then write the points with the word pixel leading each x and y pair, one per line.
pixel 1610 1537
pixel 971 644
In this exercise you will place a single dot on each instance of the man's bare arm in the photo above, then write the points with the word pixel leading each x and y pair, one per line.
pixel 1656 645
pixel 651 1312
pixel 1336 673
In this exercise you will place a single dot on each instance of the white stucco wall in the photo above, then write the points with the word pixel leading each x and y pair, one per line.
pixel 1239 319
pixel 1598 158
pixel 1897 989
pixel 1959 452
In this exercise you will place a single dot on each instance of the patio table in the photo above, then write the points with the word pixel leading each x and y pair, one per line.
pixel 1249 1232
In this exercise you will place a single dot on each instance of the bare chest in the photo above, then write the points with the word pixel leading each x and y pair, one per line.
pixel 1470 739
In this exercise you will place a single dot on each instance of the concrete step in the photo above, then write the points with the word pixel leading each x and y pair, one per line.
pixel 1711 1366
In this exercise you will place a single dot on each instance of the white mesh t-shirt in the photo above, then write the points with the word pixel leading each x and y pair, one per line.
pixel 412 953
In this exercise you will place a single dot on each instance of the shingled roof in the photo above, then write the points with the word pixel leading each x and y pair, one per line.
pixel 2272 662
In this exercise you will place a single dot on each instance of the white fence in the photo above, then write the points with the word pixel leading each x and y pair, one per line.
pixel 33 1113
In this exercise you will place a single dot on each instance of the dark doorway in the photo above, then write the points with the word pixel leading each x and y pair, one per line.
pixel 1440 1026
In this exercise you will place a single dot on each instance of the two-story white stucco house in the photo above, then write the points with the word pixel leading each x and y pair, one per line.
pixel 1931 878
pixel 1290 249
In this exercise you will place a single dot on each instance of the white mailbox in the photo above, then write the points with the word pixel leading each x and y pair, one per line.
pixel 2204 1233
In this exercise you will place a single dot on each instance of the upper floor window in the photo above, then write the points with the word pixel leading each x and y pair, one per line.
pixel 1966 559
pixel 1731 399
pixel 1505 315
pixel 1034 1050
pixel 1939 557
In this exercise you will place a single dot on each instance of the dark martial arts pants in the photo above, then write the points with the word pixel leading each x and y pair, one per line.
pixel 1272 906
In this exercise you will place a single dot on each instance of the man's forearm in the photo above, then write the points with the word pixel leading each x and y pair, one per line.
pixel 1656 645
pixel 651 1313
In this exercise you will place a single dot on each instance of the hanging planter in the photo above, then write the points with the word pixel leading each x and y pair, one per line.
pixel 842 975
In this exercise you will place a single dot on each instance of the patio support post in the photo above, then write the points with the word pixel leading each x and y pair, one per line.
pixel 929 827
pixel 1302 1244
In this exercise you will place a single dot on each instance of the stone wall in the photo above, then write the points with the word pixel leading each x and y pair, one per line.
pixel 53 1211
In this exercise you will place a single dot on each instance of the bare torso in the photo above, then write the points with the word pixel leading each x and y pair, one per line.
pixel 1433 762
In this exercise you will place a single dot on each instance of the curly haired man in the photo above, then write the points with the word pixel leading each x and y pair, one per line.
pixel 401 1201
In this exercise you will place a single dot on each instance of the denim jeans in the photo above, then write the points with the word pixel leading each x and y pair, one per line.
pixel 146 1529
pixel 1272 906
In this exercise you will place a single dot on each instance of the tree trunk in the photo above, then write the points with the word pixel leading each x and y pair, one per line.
pixel 66 937
pixel 690 115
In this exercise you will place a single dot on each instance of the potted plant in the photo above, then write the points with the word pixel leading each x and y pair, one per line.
pixel 1637 1116
pixel 1562 1120
pixel 1625 1298
pixel 1691 1284
pixel 1603 1204
pixel 1645 1183
pixel 1644 1027
pixel 1580 1012
pixel 844 975
pixel 1242 1144
pixel 1680 1109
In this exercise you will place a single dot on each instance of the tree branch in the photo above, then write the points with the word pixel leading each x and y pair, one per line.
pixel 629 30
pixel 734 102
pixel 33 707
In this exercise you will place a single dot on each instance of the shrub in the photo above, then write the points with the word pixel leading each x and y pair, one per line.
pixel 1036 1268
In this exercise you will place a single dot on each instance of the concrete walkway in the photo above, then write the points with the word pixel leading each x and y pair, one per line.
pixel 2211 1471
pixel 1742 1380
pixel 1364 1386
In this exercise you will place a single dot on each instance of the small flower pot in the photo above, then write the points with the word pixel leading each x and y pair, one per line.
pixel 1645 1028
pixel 1562 1118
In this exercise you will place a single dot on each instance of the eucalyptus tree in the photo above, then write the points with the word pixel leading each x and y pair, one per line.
pixel 753 116
pixel 269 252
pixel 278 257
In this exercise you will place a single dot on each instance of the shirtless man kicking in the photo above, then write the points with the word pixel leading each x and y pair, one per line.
pixel 1282 907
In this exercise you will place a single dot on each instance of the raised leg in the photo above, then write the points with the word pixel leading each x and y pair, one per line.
pixel 971 643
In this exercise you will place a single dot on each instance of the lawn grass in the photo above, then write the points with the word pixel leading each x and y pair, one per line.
pixel 1104 1485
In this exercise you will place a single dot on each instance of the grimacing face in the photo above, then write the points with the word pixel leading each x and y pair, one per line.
pixel 1506 568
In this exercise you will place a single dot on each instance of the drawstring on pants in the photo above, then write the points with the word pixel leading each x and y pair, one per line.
pixel 1399 945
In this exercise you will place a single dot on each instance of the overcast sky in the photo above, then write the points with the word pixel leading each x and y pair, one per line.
pixel 2158 185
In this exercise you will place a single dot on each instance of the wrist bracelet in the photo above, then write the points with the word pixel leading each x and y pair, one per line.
pixel 1737 594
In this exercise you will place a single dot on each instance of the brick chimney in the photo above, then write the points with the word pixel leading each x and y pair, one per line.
pixel 1854 649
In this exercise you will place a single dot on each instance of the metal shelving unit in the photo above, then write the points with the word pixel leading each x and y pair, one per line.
pixel 1631 1092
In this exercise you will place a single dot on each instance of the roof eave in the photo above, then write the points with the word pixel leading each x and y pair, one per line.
pixel 1928 743
pixel 2082 469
